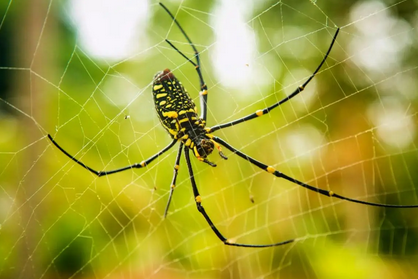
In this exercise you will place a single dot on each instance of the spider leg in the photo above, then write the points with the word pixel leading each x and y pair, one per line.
pixel 173 182
pixel 181 53
pixel 203 87
pixel 279 174
pixel 200 208
pixel 284 100
pixel 103 173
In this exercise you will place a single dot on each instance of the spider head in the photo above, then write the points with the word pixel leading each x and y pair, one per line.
pixel 204 148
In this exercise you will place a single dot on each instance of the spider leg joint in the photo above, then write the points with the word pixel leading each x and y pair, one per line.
pixel 270 169
pixel 230 241
pixel 259 112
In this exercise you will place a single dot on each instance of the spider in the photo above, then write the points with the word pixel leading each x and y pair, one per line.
pixel 178 115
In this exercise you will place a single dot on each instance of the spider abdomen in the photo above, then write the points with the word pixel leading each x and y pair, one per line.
pixel 176 110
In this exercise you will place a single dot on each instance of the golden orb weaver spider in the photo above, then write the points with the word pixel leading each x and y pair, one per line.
pixel 178 115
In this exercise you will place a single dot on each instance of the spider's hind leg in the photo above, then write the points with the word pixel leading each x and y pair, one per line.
pixel 267 110
pixel 200 208
pixel 173 181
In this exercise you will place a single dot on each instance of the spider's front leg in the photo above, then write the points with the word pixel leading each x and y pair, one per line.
pixel 267 110
pixel 173 181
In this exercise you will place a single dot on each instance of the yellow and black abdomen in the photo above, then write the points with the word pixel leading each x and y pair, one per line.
pixel 175 109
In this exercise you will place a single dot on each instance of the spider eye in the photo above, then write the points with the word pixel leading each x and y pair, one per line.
pixel 205 148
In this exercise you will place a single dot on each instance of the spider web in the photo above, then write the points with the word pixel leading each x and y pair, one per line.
pixel 352 131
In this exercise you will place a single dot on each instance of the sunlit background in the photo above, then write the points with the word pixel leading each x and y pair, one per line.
pixel 82 71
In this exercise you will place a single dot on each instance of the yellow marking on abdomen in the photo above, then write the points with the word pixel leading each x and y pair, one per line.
pixel 162 103
pixel 204 92
pixel 157 87
pixel 259 112
pixel 198 199
pixel 184 120
pixel 161 95
pixel 170 114
pixel 168 106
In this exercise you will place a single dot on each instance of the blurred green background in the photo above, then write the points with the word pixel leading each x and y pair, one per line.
pixel 82 71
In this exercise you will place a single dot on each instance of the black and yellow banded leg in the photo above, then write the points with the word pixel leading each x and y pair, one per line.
pixel 173 182
pixel 279 174
pixel 264 111
pixel 200 208
pixel 203 87
pixel 103 173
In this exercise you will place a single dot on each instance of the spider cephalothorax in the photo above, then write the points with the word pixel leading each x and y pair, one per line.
pixel 178 115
